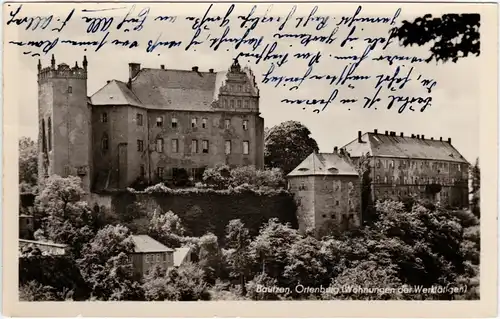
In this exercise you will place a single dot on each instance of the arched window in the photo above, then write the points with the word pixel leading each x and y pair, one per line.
pixel 105 142
pixel 49 126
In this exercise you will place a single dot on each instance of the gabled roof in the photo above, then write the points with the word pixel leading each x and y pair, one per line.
pixel 403 147
pixel 324 164
pixel 146 244
pixel 115 93
pixel 180 255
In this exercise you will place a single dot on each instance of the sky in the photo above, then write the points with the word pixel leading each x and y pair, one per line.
pixel 454 111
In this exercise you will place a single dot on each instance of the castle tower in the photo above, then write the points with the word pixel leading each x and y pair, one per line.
pixel 64 116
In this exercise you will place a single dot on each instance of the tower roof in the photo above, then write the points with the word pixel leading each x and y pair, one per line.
pixel 324 164
pixel 395 146
pixel 115 93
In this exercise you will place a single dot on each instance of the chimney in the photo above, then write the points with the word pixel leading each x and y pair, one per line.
pixel 423 137
pixel 359 137
pixel 449 140
pixel 133 70
pixel 418 136
pixel 393 133
pixel 402 135
pixel 386 133
pixel 375 131
pixel 211 70
pixel 335 150
pixel 413 136
pixel 194 68
pixel 108 81
pixel 432 138
pixel 162 67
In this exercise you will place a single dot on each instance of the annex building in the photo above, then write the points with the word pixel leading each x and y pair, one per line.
pixel 327 186
pixel 159 125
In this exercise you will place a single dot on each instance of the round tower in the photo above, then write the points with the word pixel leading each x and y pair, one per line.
pixel 64 122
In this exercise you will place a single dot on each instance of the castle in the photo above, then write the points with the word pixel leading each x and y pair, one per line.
pixel 158 126
pixel 327 186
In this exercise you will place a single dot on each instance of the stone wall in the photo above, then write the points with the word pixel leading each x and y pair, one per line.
pixel 211 212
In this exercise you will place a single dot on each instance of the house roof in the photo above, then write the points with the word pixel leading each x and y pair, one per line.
pixel 403 147
pixel 180 255
pixel 115 93
pixel 146 244
pixel 324 164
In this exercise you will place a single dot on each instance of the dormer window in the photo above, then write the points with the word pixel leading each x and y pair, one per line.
pixel 159 121
pixel 204 123
pixel 303 169
pixel 193 122
pixel 174 122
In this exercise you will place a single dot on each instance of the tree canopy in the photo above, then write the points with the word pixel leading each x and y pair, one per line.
pixel 453 36
pixel 28 165
pixel 287 145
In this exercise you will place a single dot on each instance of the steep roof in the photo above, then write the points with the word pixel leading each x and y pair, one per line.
pixel 324 164
pixel 146 244
pixel 115 93
pixel 180 255
pixel 177 89
pixel 403 147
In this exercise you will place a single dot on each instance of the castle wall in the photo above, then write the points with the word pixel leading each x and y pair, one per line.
pixel 303 190
pixel 202 213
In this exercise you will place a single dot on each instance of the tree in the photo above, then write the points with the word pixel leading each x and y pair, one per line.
pixel 65 218
pixel 475 175
pixel 236 252
pixel 167 229
pixel 105 265
pixel 270 248
pixel 453 36
pixel 28 165
pixel 210 257
pixel 287 145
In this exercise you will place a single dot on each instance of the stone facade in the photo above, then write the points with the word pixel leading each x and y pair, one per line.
pixel 326 190
pixel 402 166
pixel 159 124
pixel 64 139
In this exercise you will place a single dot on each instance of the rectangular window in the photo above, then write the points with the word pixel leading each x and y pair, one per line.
pixel 104 143
pixel 193 122
pixel 158 258
pixel 143 171
pixel 70 89
pixel 246 104
pixel 228 147
pixel 194 146
pixel 245 125
pixel 174 122
pixel 377 179
pixel 231 103
pixel 140 145
pixel 159 145
pixel 139 119
pixel 160 172
pixel 159 121
pixel 239 103
pixel 227 123
pixel 204 123
pixel 175 145
pixel 148 258
pixel 164 257
pixel 104 117
pixel 204 146
pixel 246 147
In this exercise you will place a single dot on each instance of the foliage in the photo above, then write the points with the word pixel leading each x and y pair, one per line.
pixel 223 177
pixel 270 248
pixel 167 229
pixel 210 257
pixel 34 291
pixel 236 254
pixel 106 267
pixel 179 284
pixel 287 145
pixel 42 274
pixel 28 165
pixel 475 176
pixel 453 36
pixel 65 218
pixel 262 280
